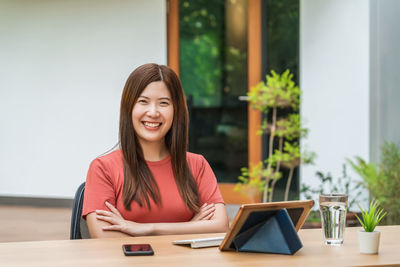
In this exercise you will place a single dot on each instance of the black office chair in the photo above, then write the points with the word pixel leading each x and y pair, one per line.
pixel 79 229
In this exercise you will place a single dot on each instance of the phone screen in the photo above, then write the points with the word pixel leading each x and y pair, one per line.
pixel 137 249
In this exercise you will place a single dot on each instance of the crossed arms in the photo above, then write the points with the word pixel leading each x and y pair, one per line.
pixel 211 218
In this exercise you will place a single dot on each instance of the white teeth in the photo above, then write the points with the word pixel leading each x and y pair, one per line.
pixel 152 124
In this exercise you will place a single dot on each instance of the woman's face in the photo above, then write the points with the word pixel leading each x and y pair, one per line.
pixel 153 113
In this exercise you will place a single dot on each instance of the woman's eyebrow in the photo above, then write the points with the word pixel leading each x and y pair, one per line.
pixel 160 98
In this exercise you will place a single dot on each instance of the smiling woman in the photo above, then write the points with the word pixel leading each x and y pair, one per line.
pixel 152 116
pixel 152 185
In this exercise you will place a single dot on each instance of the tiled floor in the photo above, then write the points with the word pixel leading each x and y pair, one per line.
pixel 31 223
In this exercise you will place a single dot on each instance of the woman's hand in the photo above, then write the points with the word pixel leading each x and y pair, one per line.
pixel 118 223
pixel 206 212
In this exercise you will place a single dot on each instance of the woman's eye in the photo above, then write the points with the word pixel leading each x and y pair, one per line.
pixel 164 103
pixel 142 101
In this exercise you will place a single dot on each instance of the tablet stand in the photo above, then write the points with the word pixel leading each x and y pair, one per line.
pixel 277 234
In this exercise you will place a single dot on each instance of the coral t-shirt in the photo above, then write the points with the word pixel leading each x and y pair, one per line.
pixel 105 181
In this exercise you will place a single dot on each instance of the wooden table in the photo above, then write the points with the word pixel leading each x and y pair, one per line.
pixel 108 252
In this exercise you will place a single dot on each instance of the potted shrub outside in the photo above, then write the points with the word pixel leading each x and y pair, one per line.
pixel 278 98
pixel 369 238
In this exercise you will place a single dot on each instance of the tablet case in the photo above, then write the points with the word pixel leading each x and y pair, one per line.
pixel 274 234
pixel 267 227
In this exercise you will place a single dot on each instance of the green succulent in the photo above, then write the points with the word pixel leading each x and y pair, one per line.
pixel 372 216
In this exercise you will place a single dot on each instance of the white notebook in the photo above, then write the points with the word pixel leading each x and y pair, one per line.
pixel 201 242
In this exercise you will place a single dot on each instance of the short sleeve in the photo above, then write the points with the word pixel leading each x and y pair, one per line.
pixel 206 182
pixel 98 189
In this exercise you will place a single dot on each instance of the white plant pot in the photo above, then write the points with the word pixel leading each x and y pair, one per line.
pixel 369 241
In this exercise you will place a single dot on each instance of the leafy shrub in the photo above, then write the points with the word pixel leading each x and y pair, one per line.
pixel 383 180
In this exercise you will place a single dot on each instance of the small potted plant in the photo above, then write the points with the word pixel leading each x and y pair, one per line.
pixel 369 238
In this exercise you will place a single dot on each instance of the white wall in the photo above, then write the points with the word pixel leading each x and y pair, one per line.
pixel 334 78
pixel 385 78
pixel 63 65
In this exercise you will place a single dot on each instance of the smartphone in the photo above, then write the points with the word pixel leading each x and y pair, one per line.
pixel 137 250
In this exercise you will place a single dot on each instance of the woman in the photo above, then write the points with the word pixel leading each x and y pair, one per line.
pixel 152 185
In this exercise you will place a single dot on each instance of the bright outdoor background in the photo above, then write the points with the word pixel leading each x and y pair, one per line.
pixel 63 66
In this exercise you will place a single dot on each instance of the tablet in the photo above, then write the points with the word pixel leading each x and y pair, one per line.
pixel 250 215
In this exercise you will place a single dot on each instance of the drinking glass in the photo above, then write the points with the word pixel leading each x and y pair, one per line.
pixel 333 209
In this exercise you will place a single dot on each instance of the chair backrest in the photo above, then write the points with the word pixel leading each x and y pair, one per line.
pixel 79 229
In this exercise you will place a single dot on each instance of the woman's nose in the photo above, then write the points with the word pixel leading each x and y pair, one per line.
pixel 153 111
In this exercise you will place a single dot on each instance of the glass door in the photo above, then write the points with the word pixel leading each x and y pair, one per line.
pixel 213 69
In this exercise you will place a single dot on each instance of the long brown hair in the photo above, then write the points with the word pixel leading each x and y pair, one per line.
pixel 139 183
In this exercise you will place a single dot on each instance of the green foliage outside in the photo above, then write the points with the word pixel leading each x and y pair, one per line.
pixel 383 180
pixel 201 28
pixel 251 181
pixel 210 67
pixel 282 30
pixel 343 184
pixel 277 94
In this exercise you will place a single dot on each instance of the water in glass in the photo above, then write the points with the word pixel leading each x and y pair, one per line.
pixel 333 217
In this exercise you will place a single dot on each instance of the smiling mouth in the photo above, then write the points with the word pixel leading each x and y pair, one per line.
pixel 152 124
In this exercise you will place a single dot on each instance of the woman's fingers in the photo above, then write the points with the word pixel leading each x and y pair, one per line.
pixel 206 206
pixel 209 216
pixel 104 212
pixel 206 209
pixel 113 209
pixel 107 219
pixel 115 227
pixel 205 213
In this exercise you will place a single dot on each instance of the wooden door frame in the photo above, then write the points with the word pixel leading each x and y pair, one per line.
pixel 173 34
pixel 254 77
